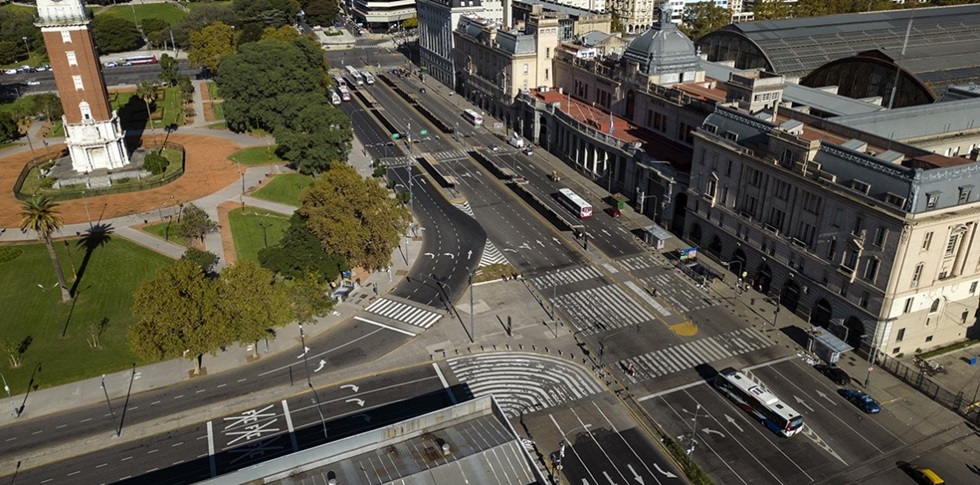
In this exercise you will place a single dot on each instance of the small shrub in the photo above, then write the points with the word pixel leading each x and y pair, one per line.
pixel 156 164
pixel 189 111
pixel 124 180
pixel 48 182
pixel 8 254
pixel 379 172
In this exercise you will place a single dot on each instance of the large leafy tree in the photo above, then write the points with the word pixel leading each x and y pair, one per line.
pixel 308 299
pixel 169 70
pixel 49 105
pixel 771 9
pixel 206 260
pixel 285 33
pixel 354 217
pixel 15 25
pixel 8 128
pixel 254 301
pixel 210 45
pixel 147 92
pixel 115 34
pixel 299 253
pixel 703 17
pixel 195 223
pixel 201 17
pixel 179 313
pixel 41 215
pixel 319 136
pixel 267 13
pixel 321 12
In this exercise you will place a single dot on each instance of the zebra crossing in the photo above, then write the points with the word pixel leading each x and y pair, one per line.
pixel 637 263
pixel 491 255
pixel 449 155
pixel 682 296
pixel 524 383
pixel 603 308
pixel 393 162
pixel 403 312
pixel 691 354
pixel 565 277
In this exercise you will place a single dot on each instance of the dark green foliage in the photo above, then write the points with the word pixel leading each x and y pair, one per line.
pixel 201 17
pixel 156 164
pixel 8 128
pixel 321 12
pixel 298 253
pixel 9 53
pixel 16 24
pixel 195 223
pixel 169 66
pixel 115 34
pixel 206 260
pixel 319 136
pixel 266 13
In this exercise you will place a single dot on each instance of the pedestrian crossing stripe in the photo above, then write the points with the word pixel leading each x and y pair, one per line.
pixel 565 277
pixel 689 355
pixel 392 162
pixel 638 262
pixel 404 313
pixel 684 297
pixel 602 308
pixel 465 207
pixel 449 155
pixel 491 255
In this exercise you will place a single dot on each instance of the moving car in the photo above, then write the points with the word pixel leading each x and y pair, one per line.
pixel 528 151
pixel 33 82
pixel 863 401
pixel 112 64
pixel 835 374
pixel 921 475
pixel 613 212
pixel 493 148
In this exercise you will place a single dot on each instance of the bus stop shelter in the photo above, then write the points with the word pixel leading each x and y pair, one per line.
pixel 826 345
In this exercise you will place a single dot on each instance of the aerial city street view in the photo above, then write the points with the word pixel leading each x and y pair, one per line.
pixel 490 242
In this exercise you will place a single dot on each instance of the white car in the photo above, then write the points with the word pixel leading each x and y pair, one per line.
pixel 10 71
pixel 33 82
pixel 111 64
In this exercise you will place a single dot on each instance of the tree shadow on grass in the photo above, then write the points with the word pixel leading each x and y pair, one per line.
pixel 95 237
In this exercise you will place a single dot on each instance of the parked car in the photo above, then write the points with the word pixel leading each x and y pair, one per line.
pixel 10 71
pixel 528 151
pixel 112 64
pixel 613 212
pixel 25 68
pixel 835 374
pixel 43 67
pixel 862 400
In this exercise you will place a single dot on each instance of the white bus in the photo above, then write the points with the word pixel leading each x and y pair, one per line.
pixel 578 205
pixel 473 117
pixel 750 394
pixel 368 78
pixel 344 92
pixel 337 78
pixel 137 60
pixel 354 76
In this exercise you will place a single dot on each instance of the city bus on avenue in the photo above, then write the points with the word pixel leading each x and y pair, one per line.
pixel 368 78
pixel 355 77
pixel 137 60
pixel 578 205
pixel 344 92
pixel 748 393
pixel 473 117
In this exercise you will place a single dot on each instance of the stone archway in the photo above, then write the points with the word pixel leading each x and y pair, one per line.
pixel 715 245
pixel 696 234
pixel 789 297
pixel 738 257
pixel 763 279
pixel 680 214
pixel 855 330
pixel 820 316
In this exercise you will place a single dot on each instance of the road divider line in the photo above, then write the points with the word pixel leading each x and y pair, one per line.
pixel 389 327
pixel 445 384
pixel 289 425
pixel 214 465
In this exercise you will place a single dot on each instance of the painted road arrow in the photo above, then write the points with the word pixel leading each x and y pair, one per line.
pixel 430 255
pixel 711 431
pixel 732 422
pixel 360 402
pixel 831 401
pixel 469 254
pixel 636 476
pixel 322 363
pixel 451 255
pixel 351 386
pixel 801 402
pixel 665 473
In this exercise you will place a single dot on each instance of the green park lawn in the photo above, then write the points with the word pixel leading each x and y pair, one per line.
pixel 168 232
pixel 167 12
pixel 285 188
pixel 194 5
pixel 109 275
pixel 257 156
pixel 253 229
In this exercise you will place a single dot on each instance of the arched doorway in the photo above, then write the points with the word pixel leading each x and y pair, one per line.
pixel 543 134
pixel 737 264
pixel 763 279
pixel 680 213
pixel 715 245
pixel 855 330
pixel 820 316
pixel 696 234
pixel 789 297
pixel 630 103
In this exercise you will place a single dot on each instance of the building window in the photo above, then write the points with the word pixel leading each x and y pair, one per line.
pixel 864 299
pixel 858 222
pixel 782 190
pixel 811 203
pixel 728 168
pixel 72 60
pixel 935 306
pixel 78 82
pixel 929 338
pixel 850 260
pixel 896 350
pixel 871 269
pixel 776 217
pixel 86 110
pixel 66 36
pixel 932 200
pixel 951 244
pixel 965 193
pixel 900 335
pixel 838 215
pixel 843 288
pixel 917 275
pixel 546 74
pixel 755 177
pixel 547 52
pixel 525 69
pixel 908 305
pixel 832 249
pixel 964 316
pixel 880 234
pixel 973 287
pixel 926 241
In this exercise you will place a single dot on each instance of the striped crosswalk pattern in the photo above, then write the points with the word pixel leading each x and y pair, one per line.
pixel 603 308
pixel 393 162
pixel 638 262
pixel 689 355
pixel 403 312
pixel 449 155
pixel 565 276
pixel 491 255
pixel 682 295
pixel 522 382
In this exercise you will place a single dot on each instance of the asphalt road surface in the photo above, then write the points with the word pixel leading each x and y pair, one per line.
pixel 114 76
pixel 193 452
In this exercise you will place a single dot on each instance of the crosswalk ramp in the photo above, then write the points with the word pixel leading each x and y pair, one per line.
pixel 681 294
pixel 603 308
pixel 692 354
pixel 403 312
pixel 523 382
pixel 565 277
pixel 491 255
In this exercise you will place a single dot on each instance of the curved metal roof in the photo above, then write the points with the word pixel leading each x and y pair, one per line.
pixel 795 47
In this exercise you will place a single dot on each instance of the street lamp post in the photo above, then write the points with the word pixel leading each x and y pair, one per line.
pixel 28 45
pixel 694 431
pixel 109 403
pixel 9 396
pixel 45 289
pixel 472 335
pixel 309 382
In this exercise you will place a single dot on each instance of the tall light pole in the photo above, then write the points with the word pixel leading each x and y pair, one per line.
pixel 309 382
pixel 9 396
pixel 28 45
pixel 472 335
pixel 694 431
pixel 109 403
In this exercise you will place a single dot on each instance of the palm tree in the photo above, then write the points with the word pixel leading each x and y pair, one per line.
pixel 147 91
pixel 41 215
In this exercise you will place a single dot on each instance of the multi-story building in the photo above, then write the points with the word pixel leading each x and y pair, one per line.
pixel 494 63
pixel 437 20
pixel 855 231
pixel 92 129
pixel 634 15
pixel 381 15
pixel 572 22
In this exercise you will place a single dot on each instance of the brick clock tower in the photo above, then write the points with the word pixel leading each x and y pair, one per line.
pixel 92 129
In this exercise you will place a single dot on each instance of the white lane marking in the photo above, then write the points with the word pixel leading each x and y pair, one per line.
pixel 573 449
pixel 637 455
pixel 445 384
pixel 389 327
pixel 289 424
pixel 214 465
pixel 351 342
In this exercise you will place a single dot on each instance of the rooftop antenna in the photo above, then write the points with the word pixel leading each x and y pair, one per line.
pixel 898 69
